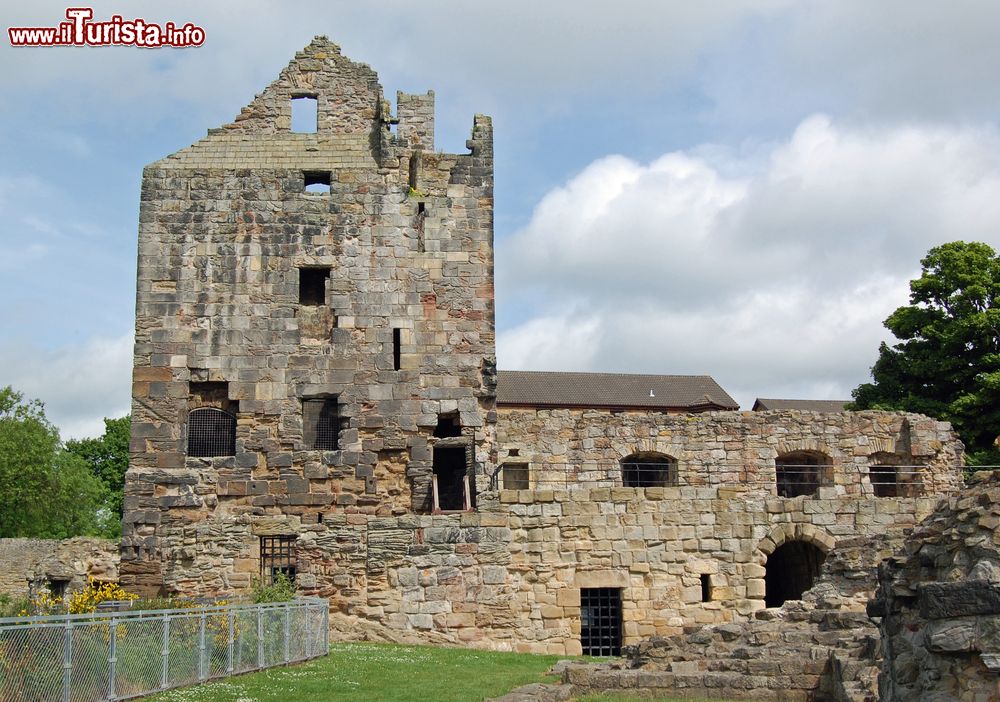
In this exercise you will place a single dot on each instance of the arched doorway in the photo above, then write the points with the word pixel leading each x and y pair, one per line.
pixel 790 571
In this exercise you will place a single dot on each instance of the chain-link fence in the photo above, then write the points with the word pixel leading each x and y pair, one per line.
pixel 117 655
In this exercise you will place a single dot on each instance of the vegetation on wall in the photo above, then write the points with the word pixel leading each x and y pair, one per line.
pixel 947 362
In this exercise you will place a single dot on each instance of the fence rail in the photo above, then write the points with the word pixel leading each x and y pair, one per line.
pixel 520 474
pixel 119 655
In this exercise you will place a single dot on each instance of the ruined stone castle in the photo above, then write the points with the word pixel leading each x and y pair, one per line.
pixel 316 394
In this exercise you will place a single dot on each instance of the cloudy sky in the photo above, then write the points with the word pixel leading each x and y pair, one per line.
pixel 736 188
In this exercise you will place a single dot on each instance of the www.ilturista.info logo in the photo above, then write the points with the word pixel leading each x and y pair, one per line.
pixel 81 31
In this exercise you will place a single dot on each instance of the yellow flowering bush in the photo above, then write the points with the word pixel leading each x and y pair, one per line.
pixel 87 599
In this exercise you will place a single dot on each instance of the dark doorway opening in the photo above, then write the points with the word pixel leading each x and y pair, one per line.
pixel 790 571
pixel 451 482
pixel 601 621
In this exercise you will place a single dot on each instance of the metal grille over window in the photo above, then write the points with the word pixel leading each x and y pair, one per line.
pixel 649 470
pixel 601 621
pixel 211 432
pixel 277 555
pixel 515 476
pixel 321 424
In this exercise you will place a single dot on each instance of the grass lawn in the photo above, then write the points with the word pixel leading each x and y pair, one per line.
pixel 378 672
pixel 632 698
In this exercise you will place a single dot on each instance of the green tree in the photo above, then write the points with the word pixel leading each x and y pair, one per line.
pixel 947 364
pixel 45 491
pixel 107 457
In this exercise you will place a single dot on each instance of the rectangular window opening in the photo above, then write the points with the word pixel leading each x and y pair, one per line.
pixel 277 556
pixel 706 587
pixel 601 621
pixel 396 348
pixel 58 588
pixel 312 286
pixel 450 484
pixel 316 182
pixel 211 423
pixel 516 476
pixel 321 424
pixel 449 425
pixel 305 114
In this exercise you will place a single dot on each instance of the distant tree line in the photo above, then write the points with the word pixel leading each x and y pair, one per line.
pixel 53 490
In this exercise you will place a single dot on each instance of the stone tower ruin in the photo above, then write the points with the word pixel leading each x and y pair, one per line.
pixel 314 320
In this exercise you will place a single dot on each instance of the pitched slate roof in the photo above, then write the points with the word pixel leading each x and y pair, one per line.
pixel 763 403
pixel 611 391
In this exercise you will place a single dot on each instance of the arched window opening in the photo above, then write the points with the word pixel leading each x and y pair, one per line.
pixel 649 470
pixel 802 473
pixel 790 571
pixel 211 432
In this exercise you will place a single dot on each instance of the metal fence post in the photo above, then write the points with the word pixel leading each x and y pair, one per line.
pixel 288 627
pixel 165 652
pixel 67 661
pixel 326 628
pixel 201 649
pixel 260 636
pixel 232 641
pixel 112 658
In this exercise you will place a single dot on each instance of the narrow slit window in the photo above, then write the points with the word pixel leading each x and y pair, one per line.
pixel 397 344
pixel 312 286
pixel 277 557
pixel 706 587
pixel 316 182
pixel 321 424
pixel 305 114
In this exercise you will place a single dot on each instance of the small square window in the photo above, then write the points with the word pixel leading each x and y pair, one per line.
pixel 515 476
pixel 316 182
pixel 312 286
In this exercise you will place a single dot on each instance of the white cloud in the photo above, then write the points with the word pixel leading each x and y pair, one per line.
pixel 775 282
pixel 79 384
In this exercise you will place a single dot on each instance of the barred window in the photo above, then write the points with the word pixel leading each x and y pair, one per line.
pixel 321 423
pixel 211 432
pixel 515 476
pixel 649 470
pixel 277 555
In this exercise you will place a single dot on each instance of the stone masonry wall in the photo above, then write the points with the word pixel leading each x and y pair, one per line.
pixel 938 603
pixel 28 565
pixel 225 228
pixel 509 575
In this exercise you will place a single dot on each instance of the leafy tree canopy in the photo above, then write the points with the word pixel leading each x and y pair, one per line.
pixel 107 457
pixel 947 363
pixel 45 491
